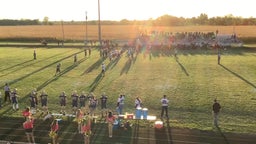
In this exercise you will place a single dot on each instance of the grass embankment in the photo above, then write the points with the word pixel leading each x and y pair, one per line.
pixel 191 82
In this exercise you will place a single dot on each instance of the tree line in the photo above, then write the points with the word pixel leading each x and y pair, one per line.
pixel 165 20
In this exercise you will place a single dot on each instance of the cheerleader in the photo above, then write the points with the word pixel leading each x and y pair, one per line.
pixel 26 113
pixel 54 131
pixel 79 118
pixel 110 120
pixel 86 129
pixel 28 127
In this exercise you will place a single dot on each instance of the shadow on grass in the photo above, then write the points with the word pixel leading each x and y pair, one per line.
pixel 135 58
pixel 169 132
pixel 237 75
pixel 164 135
pixel 54 78
pixel 181 66
pixel 41 130
pixel 93 66
pixel 29 64
pixel 161 52
pixel 98 79
pixel 136 132
pixel 16 65
pixel 96 82
pixel 13 127
pixel 40 69
pixel 47 82
pixel 68 131
pixel 222 134
pixel 114 62
pixel 99 133
pixel 126 67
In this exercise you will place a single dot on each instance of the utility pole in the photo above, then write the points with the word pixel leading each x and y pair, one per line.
pixel 63 35
pixel 86 38
pixel 99 22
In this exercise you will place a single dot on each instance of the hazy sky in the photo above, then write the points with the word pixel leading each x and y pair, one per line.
pixel 68 10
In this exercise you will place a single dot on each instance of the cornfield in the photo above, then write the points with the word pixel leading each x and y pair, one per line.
pixel 112 32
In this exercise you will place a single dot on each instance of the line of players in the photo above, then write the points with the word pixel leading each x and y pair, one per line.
pixel 81 101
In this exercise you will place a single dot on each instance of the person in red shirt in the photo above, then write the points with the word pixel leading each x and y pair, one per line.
pixel 110 120
pixel 28 126
pixel 79 118
pixel 54 131
pixel 86 129
pixel 26 113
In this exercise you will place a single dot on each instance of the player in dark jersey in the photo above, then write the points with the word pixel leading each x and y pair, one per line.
pixel 32 99
pixel 103 100
pixel 57 69
pixel 74 98
pixel 14 99
pixel 93 102
pixel 63 102
pixel 82 100
pixel 44 101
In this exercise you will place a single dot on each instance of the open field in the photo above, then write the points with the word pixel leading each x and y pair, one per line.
pixel 191 82
pixel 112 32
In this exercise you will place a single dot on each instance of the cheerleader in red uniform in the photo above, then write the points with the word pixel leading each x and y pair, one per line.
pixel 86 129
pixel 26 113
pixel 28 126
pixel 79 118
pixel 54 131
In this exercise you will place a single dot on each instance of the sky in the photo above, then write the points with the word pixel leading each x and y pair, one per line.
pixel 68 10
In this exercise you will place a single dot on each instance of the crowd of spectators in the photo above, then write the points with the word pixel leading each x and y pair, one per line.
pixel 190 40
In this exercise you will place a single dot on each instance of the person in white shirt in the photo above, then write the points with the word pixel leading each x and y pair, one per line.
pixel 120 104
pixel 164 102
pixel 103 69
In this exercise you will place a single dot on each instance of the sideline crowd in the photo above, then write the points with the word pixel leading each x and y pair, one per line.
pixel 83 109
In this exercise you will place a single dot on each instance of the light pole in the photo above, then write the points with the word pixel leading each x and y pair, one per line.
pixel 86 26
pixel 63 35
pixel 99 22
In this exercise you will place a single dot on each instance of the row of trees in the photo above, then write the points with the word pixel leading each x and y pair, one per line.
pixel 9 22
pixel 165 20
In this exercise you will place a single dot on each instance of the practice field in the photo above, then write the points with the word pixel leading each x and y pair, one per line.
pixel 191 83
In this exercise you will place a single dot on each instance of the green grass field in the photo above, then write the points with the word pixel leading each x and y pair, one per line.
pixel 191 83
